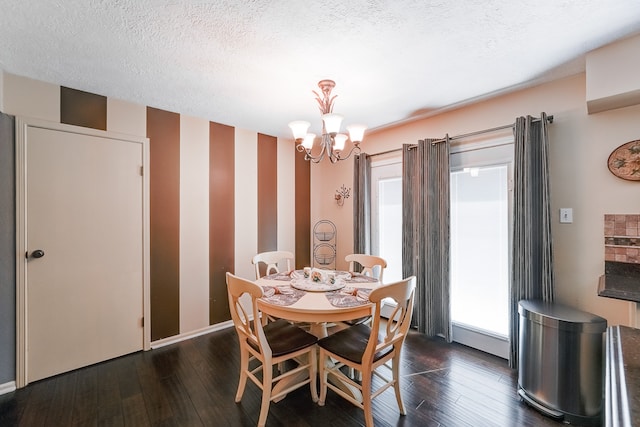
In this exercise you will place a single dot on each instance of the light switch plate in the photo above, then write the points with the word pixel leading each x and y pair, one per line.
pixel 566 215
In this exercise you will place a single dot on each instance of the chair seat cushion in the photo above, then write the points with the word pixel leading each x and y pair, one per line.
pixel 283 337
pixel 351 343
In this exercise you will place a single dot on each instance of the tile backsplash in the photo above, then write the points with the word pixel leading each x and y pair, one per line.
pixel 621 238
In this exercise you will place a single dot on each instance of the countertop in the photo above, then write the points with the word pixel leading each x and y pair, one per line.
pixel 621 280
pixel 619 287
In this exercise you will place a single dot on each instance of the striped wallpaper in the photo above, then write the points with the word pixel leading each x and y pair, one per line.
pixel 221 217
pixel 218 195
pixel 163 131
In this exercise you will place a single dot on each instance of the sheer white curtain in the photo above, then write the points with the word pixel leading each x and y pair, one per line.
pixel 532 269
pixel 425 233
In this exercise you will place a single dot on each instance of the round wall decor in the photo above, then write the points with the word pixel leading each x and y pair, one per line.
pixel 624 161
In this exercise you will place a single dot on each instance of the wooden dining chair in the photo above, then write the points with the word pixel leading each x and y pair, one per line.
pixel 269 345
pixel 370 264
pixel 369 349
pixel 271 260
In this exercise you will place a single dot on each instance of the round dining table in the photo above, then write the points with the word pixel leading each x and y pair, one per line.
pixel 317 305
pixel 294 297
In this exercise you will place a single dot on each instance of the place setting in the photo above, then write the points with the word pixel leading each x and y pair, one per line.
pixel 282 295
pixel 349 296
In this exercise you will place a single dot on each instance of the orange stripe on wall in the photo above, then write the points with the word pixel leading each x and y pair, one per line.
pixel 303 211
pixel 163 131
pixel 221 218
pixel 267 193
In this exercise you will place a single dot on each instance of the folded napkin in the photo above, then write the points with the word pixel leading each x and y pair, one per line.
pixel 269 291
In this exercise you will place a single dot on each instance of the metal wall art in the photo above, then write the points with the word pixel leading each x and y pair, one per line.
pixel 341 194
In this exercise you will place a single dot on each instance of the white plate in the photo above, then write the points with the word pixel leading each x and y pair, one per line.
pixel 308 285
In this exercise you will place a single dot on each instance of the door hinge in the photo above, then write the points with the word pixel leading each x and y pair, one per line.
pixel 142 322
pixel 141 170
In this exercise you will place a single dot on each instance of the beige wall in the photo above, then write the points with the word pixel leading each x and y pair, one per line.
pixel 286 192
pixel 610 86
pixel 194 189
pixel 580 146
pixel 30 98
pixel 326 178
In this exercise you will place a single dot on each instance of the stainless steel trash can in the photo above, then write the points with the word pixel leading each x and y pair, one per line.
pixel 561 361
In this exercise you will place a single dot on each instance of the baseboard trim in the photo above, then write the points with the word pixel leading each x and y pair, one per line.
pixel 482 340
pixel 181 337
pixel 7 387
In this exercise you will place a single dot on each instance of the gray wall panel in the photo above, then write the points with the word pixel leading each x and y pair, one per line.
pixel 7 251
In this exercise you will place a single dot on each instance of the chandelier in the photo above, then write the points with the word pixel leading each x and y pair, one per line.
pixel 331 141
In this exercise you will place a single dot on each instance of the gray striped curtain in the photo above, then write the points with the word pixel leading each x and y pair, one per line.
pixel 362 204
pixel 532 263
pixel 425 233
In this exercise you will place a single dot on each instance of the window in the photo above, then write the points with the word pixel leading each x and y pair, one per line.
pixel 480 249
pixel 386 216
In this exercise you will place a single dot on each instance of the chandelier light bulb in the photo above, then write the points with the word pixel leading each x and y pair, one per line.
pixel 299 129
pixel 332 123
pixel 356 132
pixel 339 141
pixel 308 141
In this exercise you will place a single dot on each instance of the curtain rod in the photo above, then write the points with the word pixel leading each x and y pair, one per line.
pixel 480 132
pixel 465 135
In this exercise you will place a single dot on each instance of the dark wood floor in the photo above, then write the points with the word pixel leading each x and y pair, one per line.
pixel 193 383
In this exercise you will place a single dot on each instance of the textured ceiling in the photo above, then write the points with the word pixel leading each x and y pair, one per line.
pixel 253 64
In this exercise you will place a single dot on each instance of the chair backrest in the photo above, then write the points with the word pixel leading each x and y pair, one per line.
pixel 248 324
pixel 397 325
pixel 368 263
pixel 271 259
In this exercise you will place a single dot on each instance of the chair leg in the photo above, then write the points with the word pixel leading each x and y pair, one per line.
pixel 313 360
pixel 395 368
pixel 366 398
pixel 244 367
pixel 323 378
pixel 267 385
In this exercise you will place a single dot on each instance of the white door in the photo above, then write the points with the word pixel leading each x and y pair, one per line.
pixel 84 212
pixel 480 221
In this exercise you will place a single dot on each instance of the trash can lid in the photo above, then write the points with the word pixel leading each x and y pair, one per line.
pixel 561 316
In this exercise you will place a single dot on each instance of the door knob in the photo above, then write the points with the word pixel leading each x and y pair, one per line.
pixel 38 253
